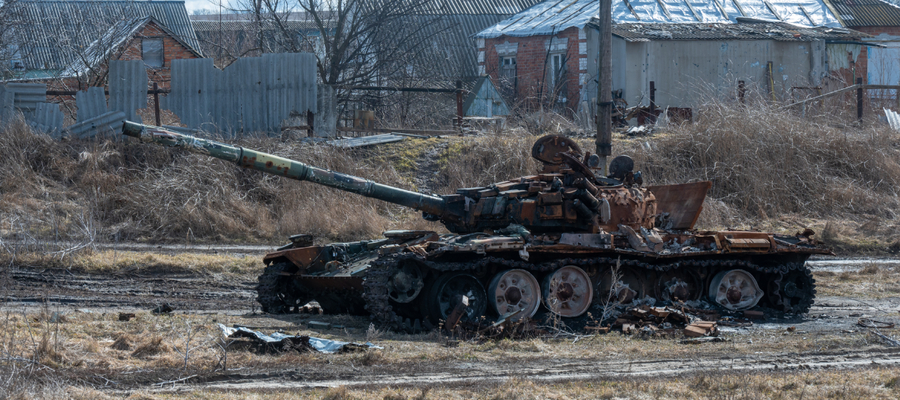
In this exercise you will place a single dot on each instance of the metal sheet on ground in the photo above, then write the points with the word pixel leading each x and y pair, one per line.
pixel 366 140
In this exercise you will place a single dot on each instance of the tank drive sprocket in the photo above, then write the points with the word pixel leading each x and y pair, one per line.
pixel 278 293
pixel 377 295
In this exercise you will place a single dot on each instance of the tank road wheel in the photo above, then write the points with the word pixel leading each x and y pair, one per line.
pixel 568 291
pixel 277 293
pixel 514 290
pixel 735 290
pixel 678 285
pixel 405 284
pixel 797 289
pixel 445 294
pixel 622 287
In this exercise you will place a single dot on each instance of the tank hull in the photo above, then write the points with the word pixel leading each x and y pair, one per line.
pixel 414 283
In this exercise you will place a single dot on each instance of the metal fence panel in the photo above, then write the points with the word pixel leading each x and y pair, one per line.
pixel 128 87
pixel 90 103
pixel 6 103
pixel 893 119
pixel 110 122
pixel 27 95
pixel 47 117
pixel 251 95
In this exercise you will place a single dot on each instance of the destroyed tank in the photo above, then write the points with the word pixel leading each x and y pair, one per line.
pixel 565 240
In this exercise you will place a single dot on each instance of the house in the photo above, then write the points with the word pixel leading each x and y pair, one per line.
pixel 548 55
pixel 881 20
pixel 226 37
pixel 68 42
pixel 447 27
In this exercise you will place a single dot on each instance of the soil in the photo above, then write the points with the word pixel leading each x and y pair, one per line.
pixel 194 293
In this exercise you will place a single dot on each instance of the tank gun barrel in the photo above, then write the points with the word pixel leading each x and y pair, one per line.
pixel 276 165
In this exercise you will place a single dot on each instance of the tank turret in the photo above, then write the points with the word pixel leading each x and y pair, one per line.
pixel 565 196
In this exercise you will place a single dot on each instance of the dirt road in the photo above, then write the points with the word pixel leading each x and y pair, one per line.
pixel 192 293
pixel 546 370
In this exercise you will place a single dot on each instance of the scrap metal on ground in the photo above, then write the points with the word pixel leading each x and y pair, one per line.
pixel 563 241
pixel 282 342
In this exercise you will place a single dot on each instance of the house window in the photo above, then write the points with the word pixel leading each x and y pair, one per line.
pixel 557 69
pixel 152 52
pixel 17 65
pixel 507 67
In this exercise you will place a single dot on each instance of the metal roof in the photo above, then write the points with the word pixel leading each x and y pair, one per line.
pixel 53 32
pixel 725 31
pixel 860 13
pixel 554 16
pixel 235 26
pixel 476 7
pixel 449 52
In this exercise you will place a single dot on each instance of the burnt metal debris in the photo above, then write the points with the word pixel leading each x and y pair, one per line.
pixel 564 242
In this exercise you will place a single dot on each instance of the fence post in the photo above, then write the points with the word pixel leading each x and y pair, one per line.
pixel 459 105
pixel 859 100
pixel 156 102
pixel 653 101
pixel 741 91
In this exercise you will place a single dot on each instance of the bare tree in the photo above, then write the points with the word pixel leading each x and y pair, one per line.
pixel 357 42
pixel 10 50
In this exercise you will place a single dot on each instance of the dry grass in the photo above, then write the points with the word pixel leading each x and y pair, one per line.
pixel 769 168
pixel 765 163
pixel 135 262
pixel 872 281
pixel 94 343
pixel 873 383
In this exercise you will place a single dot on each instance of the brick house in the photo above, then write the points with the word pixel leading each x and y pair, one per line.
pixel 881 20
pixel 67 43
pixel 138 39
pixel 548 54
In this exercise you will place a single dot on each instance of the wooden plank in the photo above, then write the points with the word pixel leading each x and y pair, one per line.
pixel 829 94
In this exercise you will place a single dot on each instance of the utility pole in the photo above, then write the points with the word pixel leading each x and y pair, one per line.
pixel 604 87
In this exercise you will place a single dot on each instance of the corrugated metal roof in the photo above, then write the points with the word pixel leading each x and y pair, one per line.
pixel 449 51
pixel 859 13
pixel 476 7
pixel 234 26
pixel 54 32
pixel 554 16
pixel 722 31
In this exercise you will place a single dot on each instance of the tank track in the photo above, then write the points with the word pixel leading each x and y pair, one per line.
pixel 274 291
pixel 794 278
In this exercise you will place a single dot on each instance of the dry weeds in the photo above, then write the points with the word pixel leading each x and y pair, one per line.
pixel 769 168
pixel 872 281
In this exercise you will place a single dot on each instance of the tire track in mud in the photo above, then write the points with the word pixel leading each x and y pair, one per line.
pixel 182 290
pixel 549 371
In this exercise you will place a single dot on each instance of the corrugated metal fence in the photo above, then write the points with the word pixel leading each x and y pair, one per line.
pixel 128 87
pixel 252 95
pixel 29 98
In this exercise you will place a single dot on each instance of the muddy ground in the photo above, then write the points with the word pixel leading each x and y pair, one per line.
pixel 70 292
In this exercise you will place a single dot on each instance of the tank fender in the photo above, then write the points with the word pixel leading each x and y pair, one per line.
pixel 302 257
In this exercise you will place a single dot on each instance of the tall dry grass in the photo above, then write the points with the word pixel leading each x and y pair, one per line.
pixel 134 191
pixel 764 162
